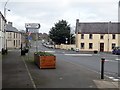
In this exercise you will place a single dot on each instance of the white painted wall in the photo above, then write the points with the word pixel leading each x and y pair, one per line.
pixel 96 42
pixel 2 34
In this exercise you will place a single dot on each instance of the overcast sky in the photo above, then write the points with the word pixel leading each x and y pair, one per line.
pixel 48 12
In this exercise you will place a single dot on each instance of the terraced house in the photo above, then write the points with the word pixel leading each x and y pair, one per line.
pixel 13 36
pixel 100 36
pixel 2 32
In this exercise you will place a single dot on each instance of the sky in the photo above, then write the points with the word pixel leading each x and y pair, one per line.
pixel 49 12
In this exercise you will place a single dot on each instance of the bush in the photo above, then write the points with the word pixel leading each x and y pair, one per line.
pixel 4 51
pixel 95 51
pixel 72 49
pixel 43 54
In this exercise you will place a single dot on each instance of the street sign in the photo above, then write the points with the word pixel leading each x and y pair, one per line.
pixel 32 25
pixel 29 38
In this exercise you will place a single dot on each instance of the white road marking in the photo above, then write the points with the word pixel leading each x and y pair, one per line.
pixel 117 59
pixel 78 54
pixel 111 77
pixel 49 51
pixel 106 60
pixel 115 55
pixel 116 80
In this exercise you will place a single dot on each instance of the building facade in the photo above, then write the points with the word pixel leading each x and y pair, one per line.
pixel 2 32
pixel 13 36
pixel 100 36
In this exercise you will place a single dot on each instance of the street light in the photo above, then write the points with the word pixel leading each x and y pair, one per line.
pixel 5 40
pixel 5 9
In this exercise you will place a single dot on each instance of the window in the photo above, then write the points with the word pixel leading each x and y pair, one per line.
pixel 90 36
pixel 19 42
pixel 101 36
pixel 113 36
pixel 14 42
pixel 113 45
pixel 10 35
pixel 82 36
pixel 90 45
pixel 82 45
pixel 14 35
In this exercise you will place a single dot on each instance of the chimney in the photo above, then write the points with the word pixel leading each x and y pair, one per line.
pixel 77 20
pixel 77 26
pixel 10 24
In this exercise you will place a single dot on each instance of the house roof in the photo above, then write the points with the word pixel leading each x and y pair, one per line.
pixel 3 17
pixel 10 28
pixel 99 28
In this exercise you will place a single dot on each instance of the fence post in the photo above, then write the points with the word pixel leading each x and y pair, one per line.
pixel 102 67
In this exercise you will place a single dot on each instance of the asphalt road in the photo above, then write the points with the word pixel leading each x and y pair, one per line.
pixel 86 59
pixel 71 71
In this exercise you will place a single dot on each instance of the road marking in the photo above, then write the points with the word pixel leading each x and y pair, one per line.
pixel 78 54
pixel 33 83
pixel 117 59
pixel 110 60
pixel 116 80
pixel 49 51
pixel 112 78
pixel 115 55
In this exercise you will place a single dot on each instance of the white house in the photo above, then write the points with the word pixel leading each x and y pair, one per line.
pixel 100 36
pixel 13 36
pixel 2 32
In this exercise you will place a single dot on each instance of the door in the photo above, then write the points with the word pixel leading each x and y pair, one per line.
pixel 101 47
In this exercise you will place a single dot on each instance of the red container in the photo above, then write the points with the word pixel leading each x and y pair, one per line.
pixel 45 61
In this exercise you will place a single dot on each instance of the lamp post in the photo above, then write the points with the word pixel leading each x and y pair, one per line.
pixel 5 9
pixel 5 40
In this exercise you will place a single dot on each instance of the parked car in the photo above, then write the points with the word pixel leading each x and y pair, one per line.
pixel 116 51
pixel 77 50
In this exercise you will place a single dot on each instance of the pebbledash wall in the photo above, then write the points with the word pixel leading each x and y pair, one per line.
pixel 100 36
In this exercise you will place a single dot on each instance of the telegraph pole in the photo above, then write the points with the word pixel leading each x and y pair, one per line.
pixel 108 34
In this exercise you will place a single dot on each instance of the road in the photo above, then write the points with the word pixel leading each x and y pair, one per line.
pixel 88 60
pixel 73 70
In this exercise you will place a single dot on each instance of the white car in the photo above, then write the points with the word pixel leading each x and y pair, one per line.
pixel 77 50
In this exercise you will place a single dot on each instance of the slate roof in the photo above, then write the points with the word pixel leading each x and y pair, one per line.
pixel 3 16
pixel 10 29
pixel 99 28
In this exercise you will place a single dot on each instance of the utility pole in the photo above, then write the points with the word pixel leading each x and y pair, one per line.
pixel 5 40
pixel 108 34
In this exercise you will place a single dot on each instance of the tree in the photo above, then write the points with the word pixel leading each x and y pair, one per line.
pixel 60 33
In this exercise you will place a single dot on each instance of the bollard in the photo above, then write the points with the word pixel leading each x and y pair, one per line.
pixel 102 67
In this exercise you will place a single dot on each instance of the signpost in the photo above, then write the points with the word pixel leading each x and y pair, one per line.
pixel 34 26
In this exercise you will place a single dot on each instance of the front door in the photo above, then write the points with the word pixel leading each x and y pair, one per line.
pixel 101 47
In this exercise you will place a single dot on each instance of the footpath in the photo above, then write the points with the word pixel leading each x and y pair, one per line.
pixel 15 74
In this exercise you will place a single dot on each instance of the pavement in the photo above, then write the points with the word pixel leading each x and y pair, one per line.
pixel 0 70
pixel 21 72
pixel 14 72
